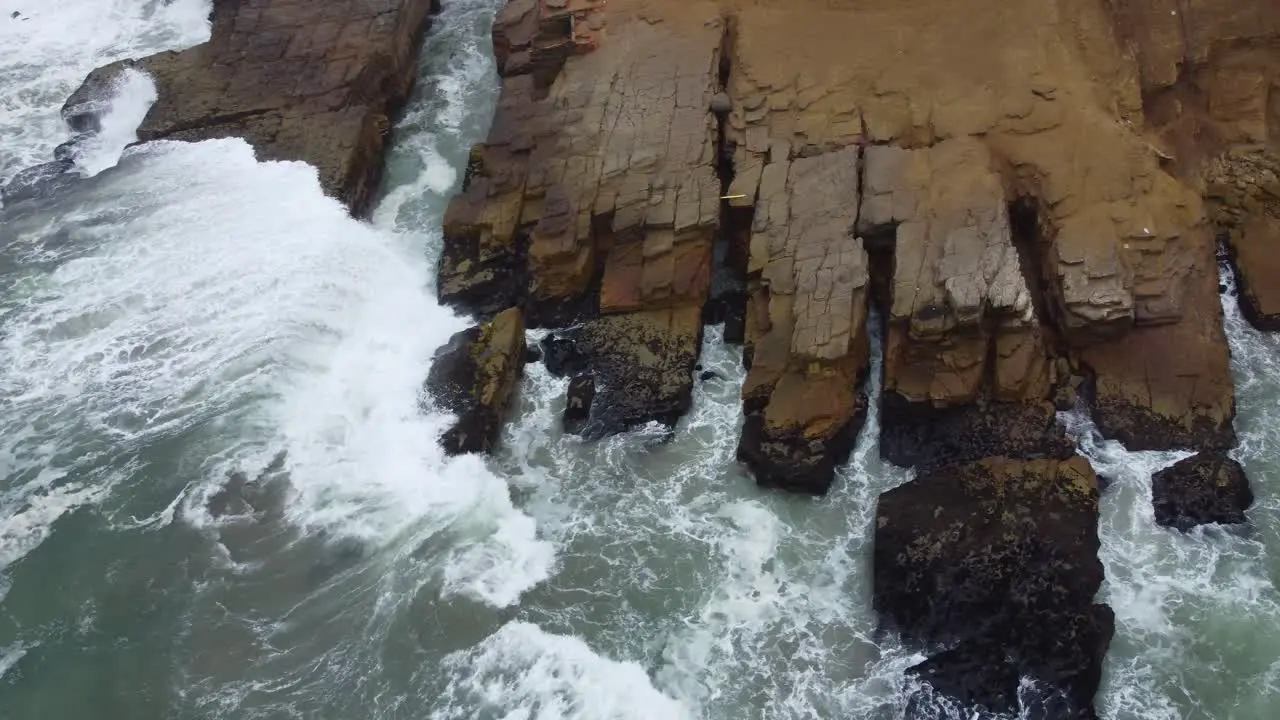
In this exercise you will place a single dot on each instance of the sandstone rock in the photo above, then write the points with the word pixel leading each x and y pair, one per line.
pixel 296 80
pixel 1204 488
pixel 598 174
pixel 997 561
pixel 810 279
pixel 1255 252
pixel 640 367
pixel 595 200
pixel 474 375
pixel 1169 386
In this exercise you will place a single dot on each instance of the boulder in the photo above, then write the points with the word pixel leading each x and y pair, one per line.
pixel 992 567
pixel 475 376
pixel 297 80
pixel 1208 487
pixel 630 369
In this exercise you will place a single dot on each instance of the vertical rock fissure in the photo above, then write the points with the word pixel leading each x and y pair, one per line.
pixel 1029 239
pixel 727 300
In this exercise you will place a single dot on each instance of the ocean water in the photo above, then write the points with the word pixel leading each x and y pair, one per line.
pixel 220 495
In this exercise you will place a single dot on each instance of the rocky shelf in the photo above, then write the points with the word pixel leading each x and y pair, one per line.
pixel 1030 194
pixel 298 80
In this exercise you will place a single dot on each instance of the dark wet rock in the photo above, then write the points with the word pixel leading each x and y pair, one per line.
pixel 563 354
pixel 802 458
pixel 577 408
pixel 475 375
pixel 706 375
pixel 1205 488
pixel 641 364
pixel 917 435
pixel 230 498
pixel 996 563
pixel 40 181
pixel 532 354
pixel 299 81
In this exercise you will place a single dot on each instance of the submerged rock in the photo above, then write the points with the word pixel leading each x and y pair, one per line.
pixel 40 181
pixel 1205 488
pixel 996 562
pixel 475 375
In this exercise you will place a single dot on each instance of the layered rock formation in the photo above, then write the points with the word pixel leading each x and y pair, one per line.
pixel 1016 192
pixel 1204 488
pixel 596 197
pixel 995 565
pixel 475 376
pixel 296 79
pixel 1210 77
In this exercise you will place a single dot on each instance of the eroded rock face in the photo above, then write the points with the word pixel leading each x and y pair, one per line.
pixel 1210 77
pixel 1204 488
pixel 999 200
pixel 296 79
pixel 475 375
pixel 997 562
pixel 809 278
pixel 595 198
pixel 1244 193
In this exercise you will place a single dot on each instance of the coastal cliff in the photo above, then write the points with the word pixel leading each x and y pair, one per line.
pixel 1027 197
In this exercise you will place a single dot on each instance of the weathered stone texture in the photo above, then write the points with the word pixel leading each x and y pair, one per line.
pixel 809 278
pixel 1204 488
pixel 596 193
pixel 298 80
pixel 475 375
pixel 609 163
pixel 997 561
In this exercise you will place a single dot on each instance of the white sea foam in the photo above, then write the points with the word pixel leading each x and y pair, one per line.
pixel 524 673
pixel 10 655
pixel 1194 611
pixel 49 48
pixel 132 95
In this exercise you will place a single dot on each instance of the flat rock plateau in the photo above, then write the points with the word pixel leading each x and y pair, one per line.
pixel 1025 197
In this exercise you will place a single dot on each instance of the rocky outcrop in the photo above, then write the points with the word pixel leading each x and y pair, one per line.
pixel 1031 235
pixel 807 322
pixel 628 369
pixel 595 199
pixel 296 79
pixel 999 201
pixel 1244 192
pixel 1210 76
pixel 992 567
pixel 1204 488
pixel 475 376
